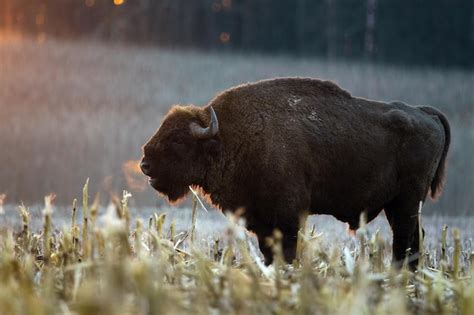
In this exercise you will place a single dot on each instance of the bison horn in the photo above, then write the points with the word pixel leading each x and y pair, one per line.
pixel 208 132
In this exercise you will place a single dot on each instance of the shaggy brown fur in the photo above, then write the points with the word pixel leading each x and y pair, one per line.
pixel 292 145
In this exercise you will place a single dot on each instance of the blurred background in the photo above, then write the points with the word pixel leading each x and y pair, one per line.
pixel 84 83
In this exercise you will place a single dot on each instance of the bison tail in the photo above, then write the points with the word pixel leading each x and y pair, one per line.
pixel 440 175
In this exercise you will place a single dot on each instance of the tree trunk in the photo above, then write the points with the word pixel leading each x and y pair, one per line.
pixel 369 41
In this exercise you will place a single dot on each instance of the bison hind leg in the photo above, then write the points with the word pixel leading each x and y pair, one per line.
pixel 355 221
pixel 402 216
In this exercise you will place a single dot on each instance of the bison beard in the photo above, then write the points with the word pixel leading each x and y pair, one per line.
pixel 283 147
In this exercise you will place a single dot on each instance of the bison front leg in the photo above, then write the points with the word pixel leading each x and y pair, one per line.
pixel 263 231
pixel 403 220
pixel 264 228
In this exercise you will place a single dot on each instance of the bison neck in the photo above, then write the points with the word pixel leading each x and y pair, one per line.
pixel 223 189
pixel 224 199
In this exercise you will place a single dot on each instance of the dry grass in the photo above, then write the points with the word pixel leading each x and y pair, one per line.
pixel 72 110
pixel 112 264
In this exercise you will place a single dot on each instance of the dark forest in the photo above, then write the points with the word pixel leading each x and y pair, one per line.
pixel 435 32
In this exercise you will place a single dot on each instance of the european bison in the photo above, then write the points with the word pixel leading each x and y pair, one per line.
pixel 282 147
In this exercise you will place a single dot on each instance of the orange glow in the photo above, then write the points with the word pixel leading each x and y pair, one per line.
pixel 224 37
pixel 118 2
pixel 40 19
pixel 226 3
pixel 10 37
pixel 136 181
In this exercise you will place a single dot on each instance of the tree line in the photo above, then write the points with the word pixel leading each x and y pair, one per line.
pixel 436 32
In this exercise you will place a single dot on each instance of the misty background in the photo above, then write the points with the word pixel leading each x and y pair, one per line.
pixel 83 84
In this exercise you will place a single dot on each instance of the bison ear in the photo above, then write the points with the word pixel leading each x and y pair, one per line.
pixel 212 146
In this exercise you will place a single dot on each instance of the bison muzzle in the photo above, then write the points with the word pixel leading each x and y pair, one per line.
pixel 283 147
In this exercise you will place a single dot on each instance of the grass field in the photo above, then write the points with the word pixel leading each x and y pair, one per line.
pixel 72 110
pixel 116 262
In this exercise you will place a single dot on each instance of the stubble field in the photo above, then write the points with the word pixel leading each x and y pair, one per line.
pixel 117 261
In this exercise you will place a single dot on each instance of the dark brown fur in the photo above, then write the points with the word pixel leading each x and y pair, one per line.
pixel 293 145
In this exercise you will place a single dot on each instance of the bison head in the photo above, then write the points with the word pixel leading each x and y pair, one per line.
pixel 179 153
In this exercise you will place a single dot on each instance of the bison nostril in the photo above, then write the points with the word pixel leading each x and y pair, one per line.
pixel 145 166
